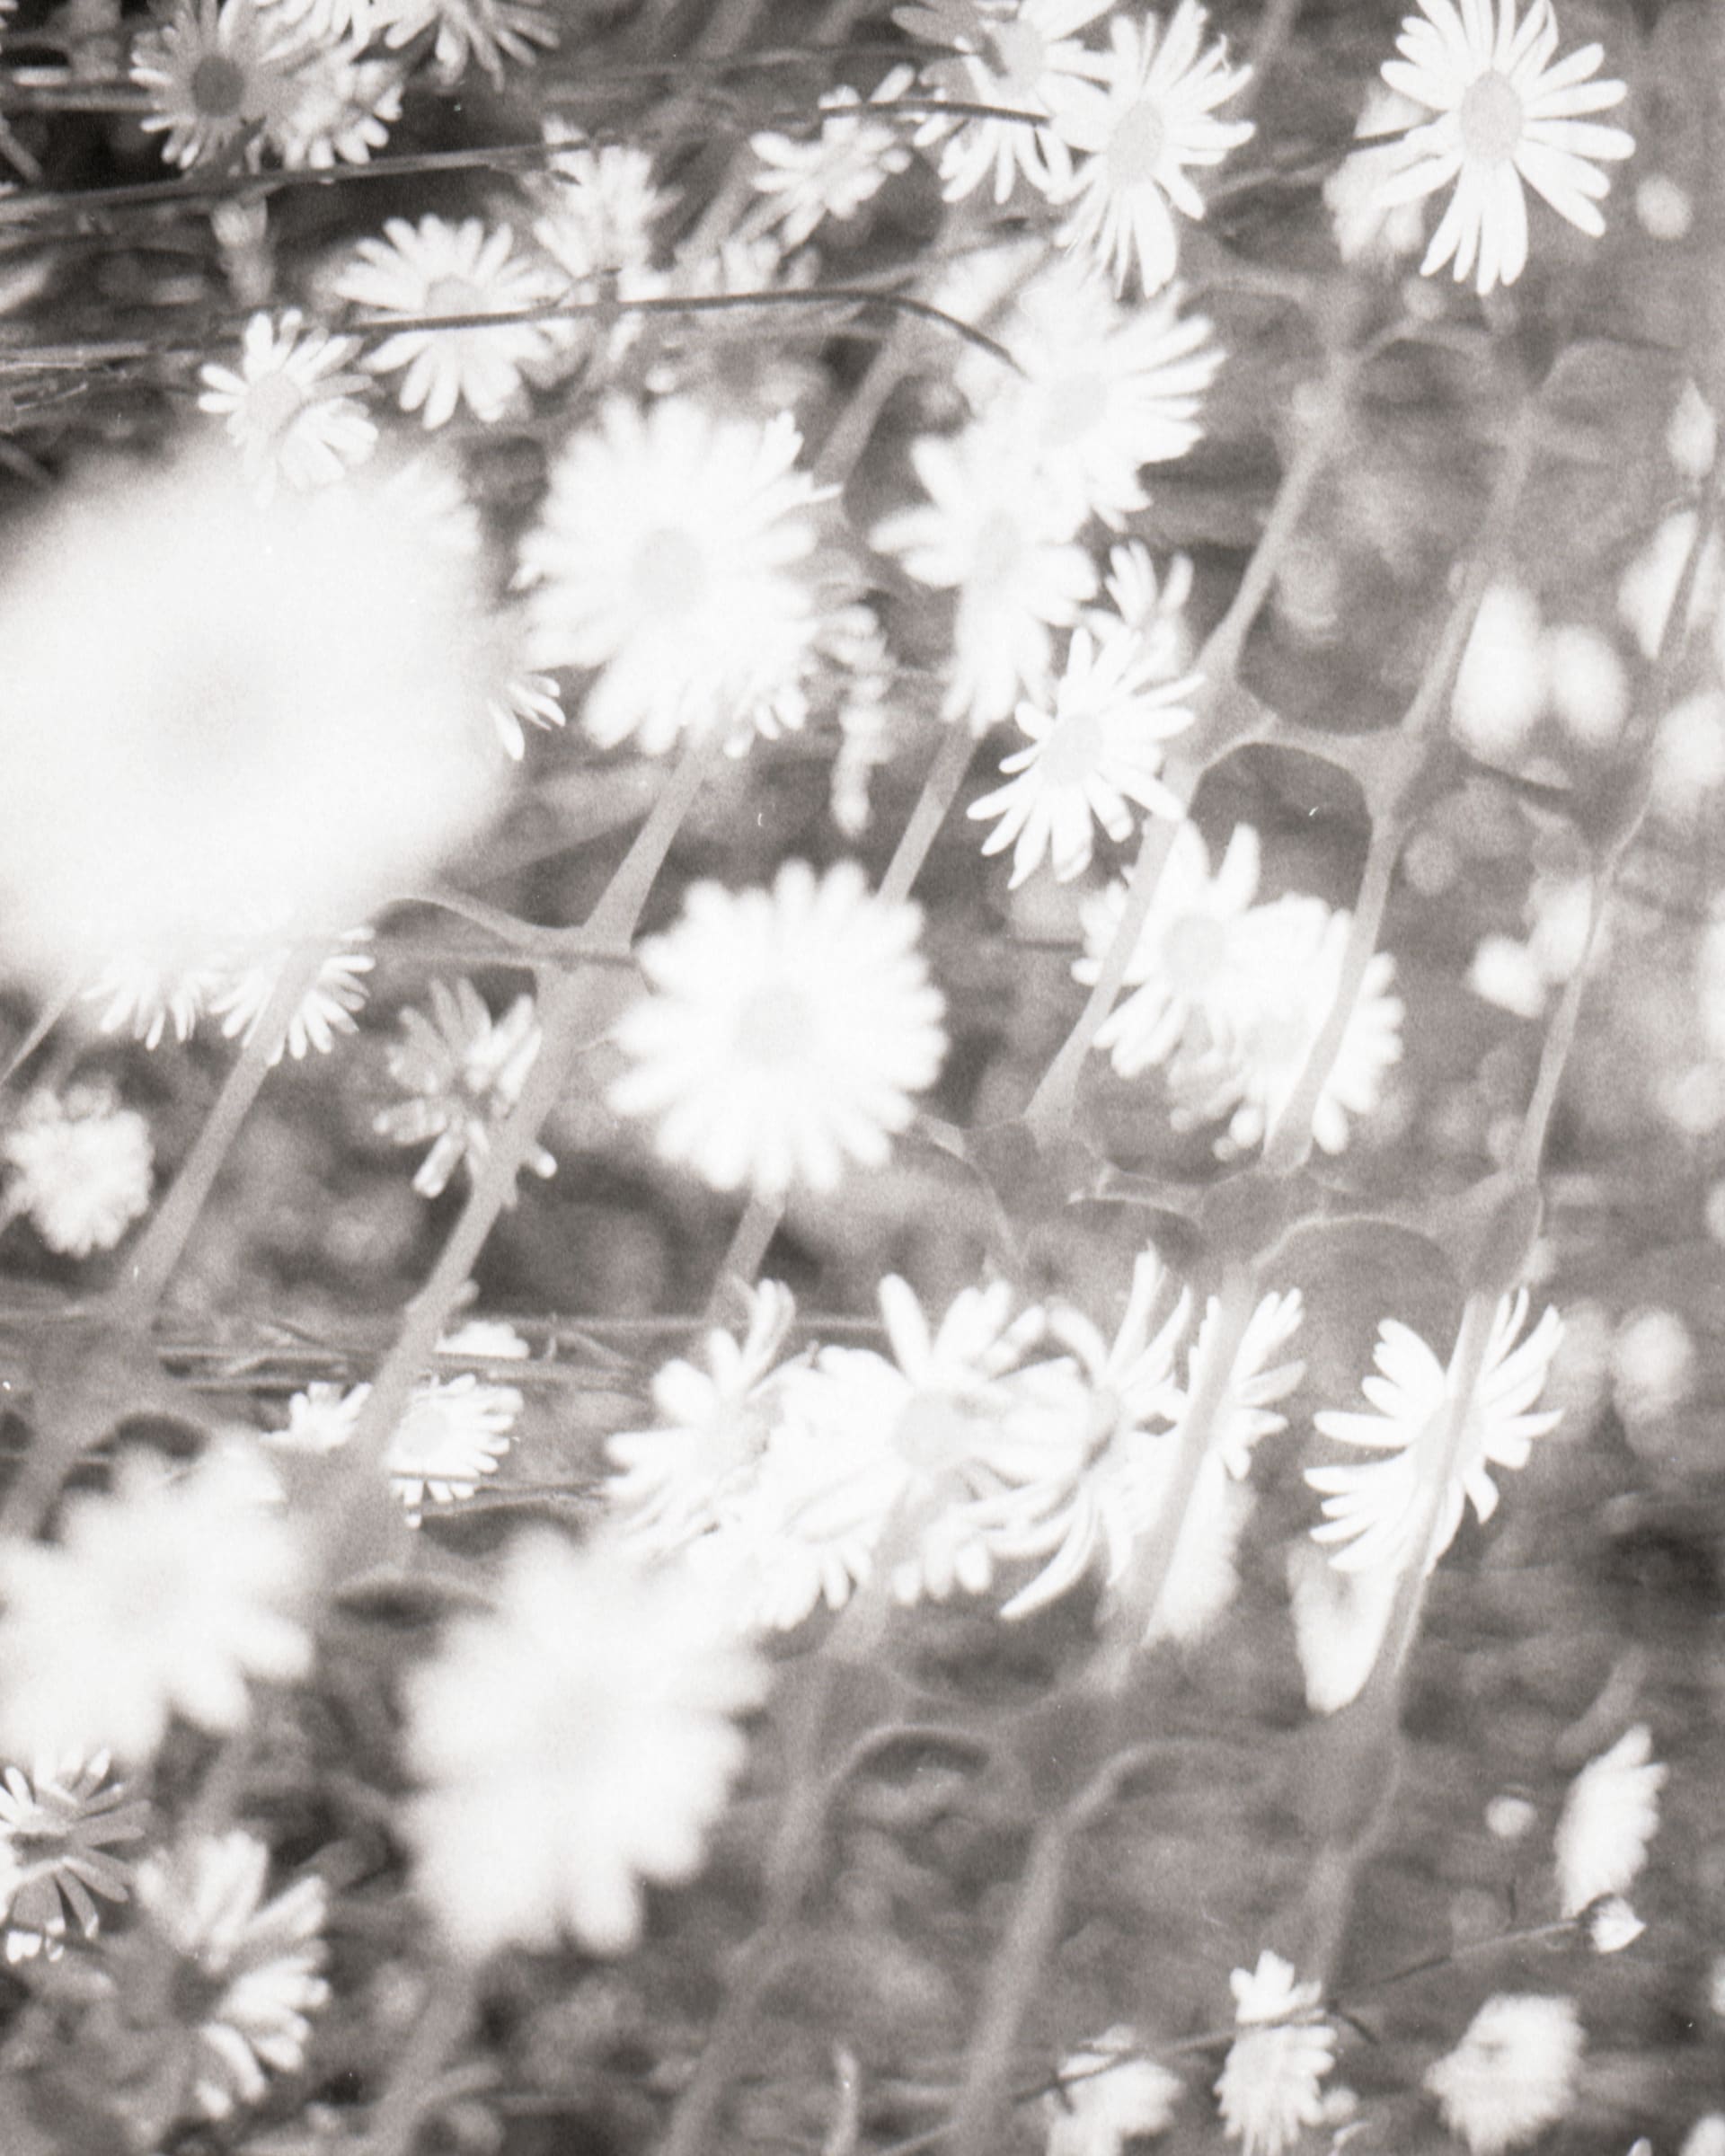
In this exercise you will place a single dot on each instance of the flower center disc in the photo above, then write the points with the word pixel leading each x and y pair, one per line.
pixel 1072 405
pixel 1135 148
pixel 275 403
pixel 669 573
pixel 218 87
pixel 1071 752
pixel 455 296
pixel 1195 951
pixel 1000 547
pixel 1492 120
pixel 773 1025
pixel 931 1434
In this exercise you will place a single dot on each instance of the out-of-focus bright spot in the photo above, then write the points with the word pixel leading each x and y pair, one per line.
pixel 1709 986
pixel 1650 583
pixel 1692 434
pixel 1511 1819
pixel 1561 908
pixel 1706 2137
pixel 1430 862
pixel 1589 686
pixel 1581 1367
pixel 1308 593
pixel 1663 208
pixel 215 714
pixel 1500 689
pixel 1715 1216
pixel 1653 1365
pixel 1689 756
pixel 1506 972
pixel 1693 1101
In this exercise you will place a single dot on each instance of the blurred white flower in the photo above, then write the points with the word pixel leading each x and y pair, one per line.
pixel 670 556
pixel 1022 58
pixel 1692 434
pixel 1101 747
pixel 60 1824
pixel 1613 1925
pixel 320 1419
pixel 1502 685
pixel 1108 2095
pixel 899 1465
pixel 436 270
pixel 1649 587
pixel 677 1479
pixel 1261 1020
pixel 465 1070
pixel 1510 1818
pixel 785 1032
pixel 81 1165
pixel 1269 2087
pixel 831 173
pixel 1103 390
pixel 1590 687
pixel 1689 760
pixel 215 1984
pixel 486 1340
pixel 1185 951
pixel 601 204
pixel 212 714
pixel 1374 1512
pixel 1150 607
pixel 290 407
pixel 1505 114
pixel 1513 2074
pixel 1367 229
pixel 1003 545
pixel 1653 1365
pixel 1340 1622
pixel 1609 1817
pixel 1706 2137
pixel 1154 119
pixel 573 1743
pixel 163 1597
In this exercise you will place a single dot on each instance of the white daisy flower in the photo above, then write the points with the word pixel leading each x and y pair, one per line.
pixel 490 33
pixel 1373 1512
pixel 1099 747
pixel 602 204
pixel 163 1597
pixel 1262 1019
pixel 82 1166
pixel 437 269
pixel 575 1741
pixel 1104 390
pixel 1186 947
pixel 61 1822
pixel 337 110
pixel 1505 115
pixel 1609 1817
pixel 1109 2094
pixel 995 538
pixel 677 1479
pixel 807 180
pixel 214 1984
pixel 786 1032
pixel 320 1419
pixel 1513 2074
pixel 669 555
pixel 215 71
pixel 329 1006
pixel 903 1461
pixel 1151 607
pixel 1024 56
pixel 455 1429
pixel 465 1070
pixel 1269 2086
pixel 1155 119
pixel 290 409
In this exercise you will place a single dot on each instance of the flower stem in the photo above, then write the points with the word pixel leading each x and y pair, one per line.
pixel 940 790
pixel 413 2084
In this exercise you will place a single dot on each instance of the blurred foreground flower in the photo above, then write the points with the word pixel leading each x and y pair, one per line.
pixel 574 1743
pixel 1155 119
pixel 1269 2087
pixel 1387 1512
pixel 82 1167
pixel 163 1597
pixel 214 1984
pixel 786 1032
pixel 214 714
pixel 1513 2074
pixel 467 1069
pixel 1505 115
pixel 60 1823
pixel 669 557
pixel 1108 2096
pixel 1609 1817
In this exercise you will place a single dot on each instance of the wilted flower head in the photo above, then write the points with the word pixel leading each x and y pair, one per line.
pixel 163 1597
pixel 215 1984
pixel 1108 2096
pixel 574 1743
pixel 82 1167
pixel 1513 2074
pixel 1609 1817
pixel 1269 2088
pixel 211 712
